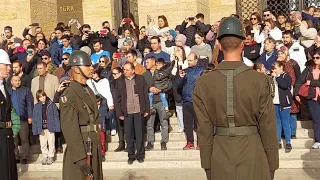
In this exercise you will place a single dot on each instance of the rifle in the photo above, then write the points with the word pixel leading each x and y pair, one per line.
pixel 88 146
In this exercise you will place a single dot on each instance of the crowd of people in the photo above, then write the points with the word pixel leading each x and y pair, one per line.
pixel 152 70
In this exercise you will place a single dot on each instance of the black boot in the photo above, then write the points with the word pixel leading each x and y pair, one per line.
pixel 60 150
pixel 120 148
pixel 149 147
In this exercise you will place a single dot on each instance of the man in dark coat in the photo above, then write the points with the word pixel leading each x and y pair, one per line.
pixel 8 167
pixel 80 123
pixel 236 118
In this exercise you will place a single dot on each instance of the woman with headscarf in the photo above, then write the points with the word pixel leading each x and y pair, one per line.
pixel 292 68
pixel 181 42
pixel 170 42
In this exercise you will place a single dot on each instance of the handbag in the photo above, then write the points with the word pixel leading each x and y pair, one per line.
pixel 304 89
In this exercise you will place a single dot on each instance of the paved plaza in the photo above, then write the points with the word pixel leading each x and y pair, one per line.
pixel 170 174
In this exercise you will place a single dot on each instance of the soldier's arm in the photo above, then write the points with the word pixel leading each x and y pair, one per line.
pixel 70 128
pixel 204 129
pixel 267 126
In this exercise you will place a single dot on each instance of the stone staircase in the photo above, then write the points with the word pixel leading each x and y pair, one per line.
pixel 301 157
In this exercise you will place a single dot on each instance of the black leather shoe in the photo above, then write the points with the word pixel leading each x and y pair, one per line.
pixel 17 161
pixel 288 148
pixel 103 158
pixel 24 161
pixel 149 147
pixel 120 148
pixel 141 160
pixel 130 161
pixel 163 146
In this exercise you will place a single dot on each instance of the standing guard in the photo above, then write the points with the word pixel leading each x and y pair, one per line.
pixel 80 123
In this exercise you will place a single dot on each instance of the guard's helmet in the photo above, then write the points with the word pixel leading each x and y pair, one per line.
pixel 231 26
pixel 4 57
pixel 79 58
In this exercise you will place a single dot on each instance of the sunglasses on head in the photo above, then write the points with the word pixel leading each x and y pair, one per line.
pixel 317 58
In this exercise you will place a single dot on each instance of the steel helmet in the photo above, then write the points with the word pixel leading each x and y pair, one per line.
pixel 79 58
pixel 231 26
pixel 4 57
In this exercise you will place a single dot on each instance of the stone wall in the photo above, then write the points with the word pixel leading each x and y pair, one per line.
pixel 221 8
pixel 15 13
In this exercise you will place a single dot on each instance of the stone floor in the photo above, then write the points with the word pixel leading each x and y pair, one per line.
pixel 170 174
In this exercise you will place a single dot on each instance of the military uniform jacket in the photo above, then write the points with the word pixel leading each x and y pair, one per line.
pixel 73 115
pixel 8 167
pixel 248 157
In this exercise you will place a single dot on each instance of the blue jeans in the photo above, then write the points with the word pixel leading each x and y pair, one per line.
pixel 293 124
pixel 162 97
pixel 283 117
pixel 314 107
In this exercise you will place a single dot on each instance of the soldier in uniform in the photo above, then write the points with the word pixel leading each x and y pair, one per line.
pixel 80 123
pixel 237 131
pixel 8 167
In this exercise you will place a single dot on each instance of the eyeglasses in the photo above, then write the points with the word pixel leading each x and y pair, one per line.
pixel 64 58
pixel 253 18
pixel 45 58
pixel 317 58
pixel 101 61
pixel 266 15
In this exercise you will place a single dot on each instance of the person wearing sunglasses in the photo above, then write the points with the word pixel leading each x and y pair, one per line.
pixel 310 79
pixel 61 71
pixel 105 64
pixel 255 21
pixel 46 58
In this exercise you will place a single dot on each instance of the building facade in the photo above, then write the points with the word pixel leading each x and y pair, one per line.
pixel 21 13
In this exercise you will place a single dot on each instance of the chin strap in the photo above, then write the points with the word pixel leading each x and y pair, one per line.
pixel 81 72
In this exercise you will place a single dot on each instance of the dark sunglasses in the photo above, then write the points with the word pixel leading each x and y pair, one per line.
pixel 64 58
pixel 45 58
pixel 102 61
pixel 317 58
pixel 266 15
pixel 253 18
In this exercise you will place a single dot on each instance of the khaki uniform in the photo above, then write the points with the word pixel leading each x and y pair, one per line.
pixel 73 115
pixel 239 157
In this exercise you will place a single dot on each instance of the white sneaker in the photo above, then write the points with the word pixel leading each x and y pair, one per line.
pixel 180 131
pixel 316 145
pixel 113 132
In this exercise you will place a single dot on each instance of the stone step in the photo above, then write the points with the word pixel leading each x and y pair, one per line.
pixel 163 164
pixel 178 153
pixel 301 133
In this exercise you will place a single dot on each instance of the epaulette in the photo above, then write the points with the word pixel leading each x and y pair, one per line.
pixel 271 85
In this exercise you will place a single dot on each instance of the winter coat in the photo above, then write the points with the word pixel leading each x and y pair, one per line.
pixel 284 89
pixel 268 62
pixel 252 51
pixel 162 77
pixel 52 118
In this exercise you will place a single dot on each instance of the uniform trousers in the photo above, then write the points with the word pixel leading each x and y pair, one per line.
pixel 134 126
pixel 190 120
pixel 23 152
pixel 314 107
pixel 103 142
pixel 47 139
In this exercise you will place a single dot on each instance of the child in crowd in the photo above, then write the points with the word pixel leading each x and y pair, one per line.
pixel 45 123
pixel 162 81
pixel 259 67
pixel 282 102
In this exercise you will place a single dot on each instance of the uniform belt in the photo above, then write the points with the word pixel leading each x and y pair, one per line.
pixel 89 128
pixel 4 125
pixel 239 131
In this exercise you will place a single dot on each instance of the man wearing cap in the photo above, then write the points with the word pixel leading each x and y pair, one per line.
pixel 8 170
pixel 79 122
pixel 236 120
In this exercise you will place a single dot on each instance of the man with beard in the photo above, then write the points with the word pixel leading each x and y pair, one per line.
pixel 80 123
pixel 296 51
pixel 17 70
pixel 9 37
pixel 8 167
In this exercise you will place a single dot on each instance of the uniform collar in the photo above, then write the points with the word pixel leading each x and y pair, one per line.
pixel 229 65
